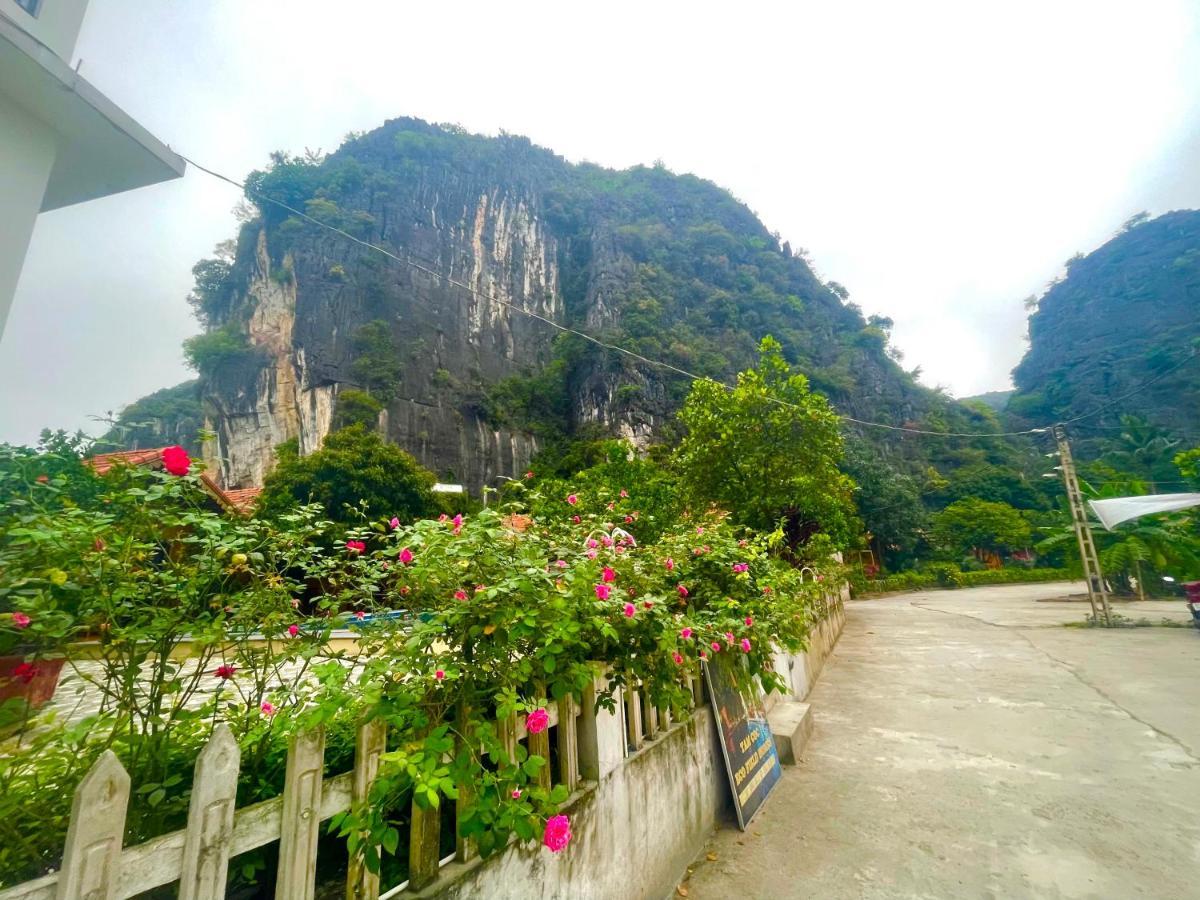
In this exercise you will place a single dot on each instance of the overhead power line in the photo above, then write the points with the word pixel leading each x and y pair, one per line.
pixel 420 267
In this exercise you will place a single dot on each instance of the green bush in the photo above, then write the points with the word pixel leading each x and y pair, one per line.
pixel 355 475
pixel 218 348
pixel 946 575
pixel 204 618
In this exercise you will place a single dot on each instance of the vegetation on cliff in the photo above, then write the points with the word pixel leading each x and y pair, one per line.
pixel 1124 315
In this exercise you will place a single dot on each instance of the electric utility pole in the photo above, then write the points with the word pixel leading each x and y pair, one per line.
pixel 1097 594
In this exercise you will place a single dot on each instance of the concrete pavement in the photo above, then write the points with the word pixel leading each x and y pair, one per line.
pixel 968 745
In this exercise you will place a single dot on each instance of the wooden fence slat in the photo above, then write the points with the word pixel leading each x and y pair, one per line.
pixel 633 716
pixel 370 742
pixel 464 848
pixel 539 744
pixel 507 730
pixel 423 850
pixel 651 714
pixel 93 846
pixel 301 818
pixel 568 743
pixel 210 818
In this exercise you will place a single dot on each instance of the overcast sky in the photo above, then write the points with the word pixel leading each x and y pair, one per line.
pixel 941 160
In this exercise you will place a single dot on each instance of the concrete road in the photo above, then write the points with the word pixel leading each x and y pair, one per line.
pixel 968 745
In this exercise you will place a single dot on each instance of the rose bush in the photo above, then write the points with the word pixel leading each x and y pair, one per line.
pixel 176 616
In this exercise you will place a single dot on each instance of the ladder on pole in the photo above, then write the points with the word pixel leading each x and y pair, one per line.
pixel 1097 592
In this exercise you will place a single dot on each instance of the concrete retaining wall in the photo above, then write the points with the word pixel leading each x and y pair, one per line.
pixel 635 831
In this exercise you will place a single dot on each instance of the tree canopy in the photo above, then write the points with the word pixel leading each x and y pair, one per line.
pixel 353 474
pixel 767 450
pixel 972 524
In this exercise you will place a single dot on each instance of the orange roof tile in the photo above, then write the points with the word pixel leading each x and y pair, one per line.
pixel 239 500
pixel 103 462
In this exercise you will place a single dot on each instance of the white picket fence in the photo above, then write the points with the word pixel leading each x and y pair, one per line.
pixel 96 865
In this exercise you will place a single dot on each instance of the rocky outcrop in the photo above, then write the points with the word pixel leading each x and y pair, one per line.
pixel 1123 322
pixel 494 247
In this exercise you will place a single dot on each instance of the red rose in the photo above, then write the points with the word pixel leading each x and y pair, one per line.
pixel 26 672
pixel 176 460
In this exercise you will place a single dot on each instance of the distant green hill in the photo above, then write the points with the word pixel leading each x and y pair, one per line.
pixel 994 400
pixel 1125 315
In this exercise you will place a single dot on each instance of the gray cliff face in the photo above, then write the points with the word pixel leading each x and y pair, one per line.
pixel 305 312
pixel 493 246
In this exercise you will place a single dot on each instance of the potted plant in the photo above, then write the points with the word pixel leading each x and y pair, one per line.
pixel 27 672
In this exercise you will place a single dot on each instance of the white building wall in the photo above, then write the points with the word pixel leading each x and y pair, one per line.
pixel 25 166
pixel 56 23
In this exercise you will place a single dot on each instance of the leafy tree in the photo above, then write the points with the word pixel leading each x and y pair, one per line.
pixel 889 503
pixel 989 481
pixel 377 365
pixel 215 286
pixel 224 346
pixel 972 524
pixel 356 408
pixel 767 450
pixel 1188 463
pixel 355 473
pixel 1144 450
pixel 1141 551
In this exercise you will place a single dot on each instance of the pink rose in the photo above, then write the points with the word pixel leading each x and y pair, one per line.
pixel 630 609
pixel 608 574
pixel 683 592
pixel 406 556
pixel 716 647
pixel 575 519
pixel 749 621
pixel 745 645
pixel 591 554
pixel 457 522
pixel 669 563
pixel 293 630
pixel 686 633
pixel 439 674
pixel 678 659
pixel 603 591
pixel 740 567
pixel 355 546
pixel 516 793
pixel 395 523
pixel 572 499
pixel 460 595
pixel 20 620
pixel 560 563
pixel 224 671
pixel 268 709
pixel 537 721
pixel 624 493
pixel 360 615
pixel 176 460
pixel 557 834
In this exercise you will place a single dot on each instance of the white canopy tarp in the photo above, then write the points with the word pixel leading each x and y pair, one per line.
pixel 1121 509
